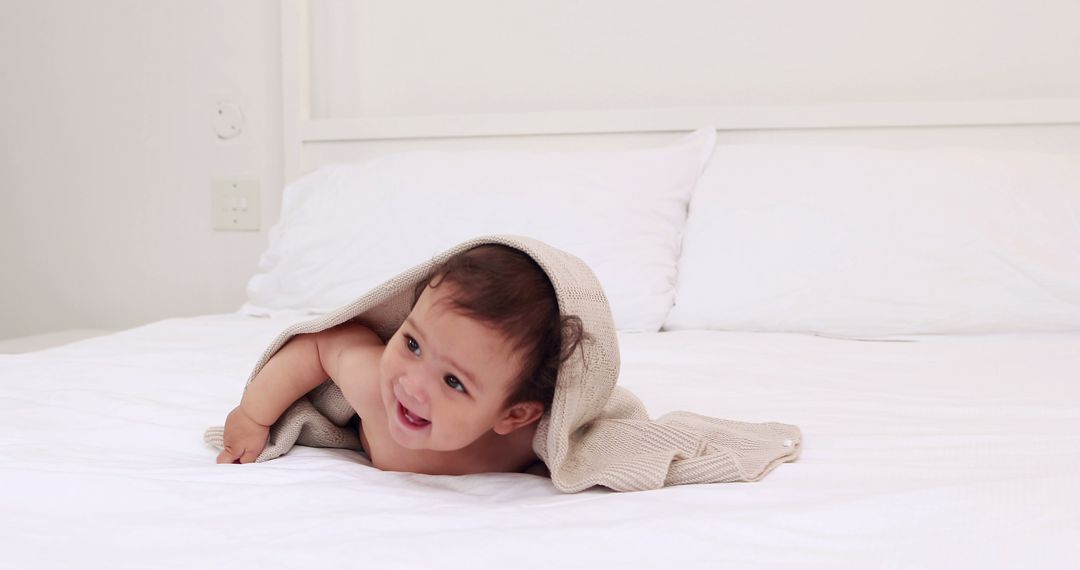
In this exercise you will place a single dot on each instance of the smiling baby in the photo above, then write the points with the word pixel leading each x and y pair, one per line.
pixel 457 389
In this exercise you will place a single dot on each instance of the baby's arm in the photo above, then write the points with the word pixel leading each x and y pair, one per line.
pixel 304 362
pixel 294 370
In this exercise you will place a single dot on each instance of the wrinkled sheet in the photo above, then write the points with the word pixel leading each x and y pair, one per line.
pixel 947 452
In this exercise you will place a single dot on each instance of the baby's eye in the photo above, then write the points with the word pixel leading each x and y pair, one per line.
pixel 412 345
pixel 453 382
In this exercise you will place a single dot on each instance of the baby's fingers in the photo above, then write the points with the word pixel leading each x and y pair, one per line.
pixel 250 455
pixel 244 455
pixel 226 456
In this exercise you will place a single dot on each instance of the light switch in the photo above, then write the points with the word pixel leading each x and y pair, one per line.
pixel 236 204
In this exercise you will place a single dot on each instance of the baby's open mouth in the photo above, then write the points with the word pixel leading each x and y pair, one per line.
pixel 411 418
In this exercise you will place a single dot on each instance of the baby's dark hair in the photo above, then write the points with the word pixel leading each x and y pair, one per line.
pixel 505 289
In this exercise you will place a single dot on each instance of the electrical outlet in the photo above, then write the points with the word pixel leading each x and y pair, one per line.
pixel 236 204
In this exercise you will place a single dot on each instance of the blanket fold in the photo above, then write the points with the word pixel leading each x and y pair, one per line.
pixel 595 433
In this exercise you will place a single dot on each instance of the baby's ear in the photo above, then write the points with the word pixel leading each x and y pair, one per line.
pixel 519 415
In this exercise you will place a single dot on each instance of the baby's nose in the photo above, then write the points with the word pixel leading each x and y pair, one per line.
pixel 414 389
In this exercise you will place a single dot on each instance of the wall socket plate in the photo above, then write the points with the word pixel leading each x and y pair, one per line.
pixel 236 204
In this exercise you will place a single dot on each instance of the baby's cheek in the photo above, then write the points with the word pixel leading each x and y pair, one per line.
pixel 456 434
pixel 387 364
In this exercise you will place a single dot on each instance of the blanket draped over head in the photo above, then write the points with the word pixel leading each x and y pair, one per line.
pixel 595 433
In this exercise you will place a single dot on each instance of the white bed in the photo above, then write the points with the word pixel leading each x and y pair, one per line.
pixel 956 447
pixel 946 452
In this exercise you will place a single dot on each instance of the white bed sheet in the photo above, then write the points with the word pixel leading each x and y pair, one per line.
pixel 946 452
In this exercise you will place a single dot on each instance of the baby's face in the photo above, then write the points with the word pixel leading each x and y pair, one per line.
pixel 444 376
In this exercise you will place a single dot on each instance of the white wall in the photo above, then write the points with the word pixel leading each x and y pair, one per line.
pixel 107 154
pixel 393 75
pixel 380 58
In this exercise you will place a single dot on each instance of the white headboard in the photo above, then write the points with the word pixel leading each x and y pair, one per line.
pixel 362 78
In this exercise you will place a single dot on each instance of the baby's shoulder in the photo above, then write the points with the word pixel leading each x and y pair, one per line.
pixel 357 346
pixel 350 353
pixel 350 334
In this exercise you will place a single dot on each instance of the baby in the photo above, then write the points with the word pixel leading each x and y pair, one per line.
pixel 457 389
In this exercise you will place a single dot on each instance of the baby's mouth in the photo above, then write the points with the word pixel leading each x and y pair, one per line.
pixel 411 419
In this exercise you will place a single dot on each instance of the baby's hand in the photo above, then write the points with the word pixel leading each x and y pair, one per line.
pixel 244 438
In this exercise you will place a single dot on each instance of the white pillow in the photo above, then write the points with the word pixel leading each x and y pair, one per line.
pixel 861 242
pixel 345 228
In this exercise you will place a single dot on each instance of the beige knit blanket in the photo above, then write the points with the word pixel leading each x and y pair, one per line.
pixel 595 433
